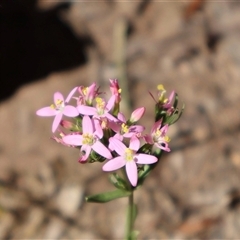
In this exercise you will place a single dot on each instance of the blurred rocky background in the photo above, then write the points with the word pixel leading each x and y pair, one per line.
pixel 192 47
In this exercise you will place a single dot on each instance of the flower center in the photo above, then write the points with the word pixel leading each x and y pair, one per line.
pixel 124 128
pixel 100 105
pixel 59 105
pixel 84 90
pixel 158 134
pixel 88 139
pixel 158 137
pixel 129 154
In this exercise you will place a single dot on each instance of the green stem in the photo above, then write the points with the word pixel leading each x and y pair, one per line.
pixel 130 218
pixel 131 210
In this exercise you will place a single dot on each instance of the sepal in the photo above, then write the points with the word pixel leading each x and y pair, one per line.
pixel 118 182
pixel 95 157
pixel 175 116
pixel 108 196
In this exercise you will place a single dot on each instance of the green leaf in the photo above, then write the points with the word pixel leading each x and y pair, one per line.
pixel 108 196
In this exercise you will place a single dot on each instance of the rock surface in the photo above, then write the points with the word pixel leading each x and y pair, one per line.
pixel 194 193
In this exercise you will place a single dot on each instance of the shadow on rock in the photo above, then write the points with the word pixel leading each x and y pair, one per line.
pixel 35 43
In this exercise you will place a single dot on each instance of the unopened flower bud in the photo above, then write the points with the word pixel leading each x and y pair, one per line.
pixel 115 89
pixel 137 114
pixel 68 125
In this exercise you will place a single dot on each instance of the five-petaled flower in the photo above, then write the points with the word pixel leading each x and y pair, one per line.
pixel 158 136
pixel 89 140
pixel 101 110
pixel 87 94
pixel 129 158
pixel 99 128
pixel 58 109
pixel 123 129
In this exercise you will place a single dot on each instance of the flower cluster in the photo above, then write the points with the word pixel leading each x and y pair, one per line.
pixel 103 134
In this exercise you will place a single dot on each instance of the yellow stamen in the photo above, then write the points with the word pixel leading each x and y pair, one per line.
pixel 167 138
pixel 59 102
pixel 160 87
pixel 125 128
pixel 129 154
pixel 158 133
pixel 165 100
pixel 87 139
pixel 84 90
pixel 100 102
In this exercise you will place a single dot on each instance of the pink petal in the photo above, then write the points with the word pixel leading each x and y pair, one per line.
pixel 110 103
pixel 131 170
pixel 134 143
pixel 71 94
pixel 110 117
pixel 164 129
pixel 98 129
pixel 70 111
pixel 117 145
pixel 121 117
pixel 46 112
pixel 87 125
pixel 75 140
pixel 145 158
pixel 156 126
pixel 114 126
pixel 171 96
pixel 136 128
pixel 101 150
pixel 118 136
pixel 58 96
pixel 91 92
pixel 148 139
pixel 86 110
pixel 114 164
pixel 85 149
pixel 165 148
pixel 56 121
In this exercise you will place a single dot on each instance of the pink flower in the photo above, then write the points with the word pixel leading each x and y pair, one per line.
pixel 158 136
pixel 101 110
pixel 60 138
pixel 115 90
pixel 58 109
pixel 122 128
pixel 166 102
pixel 89 140
pixel 87 94
pixel 129 158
